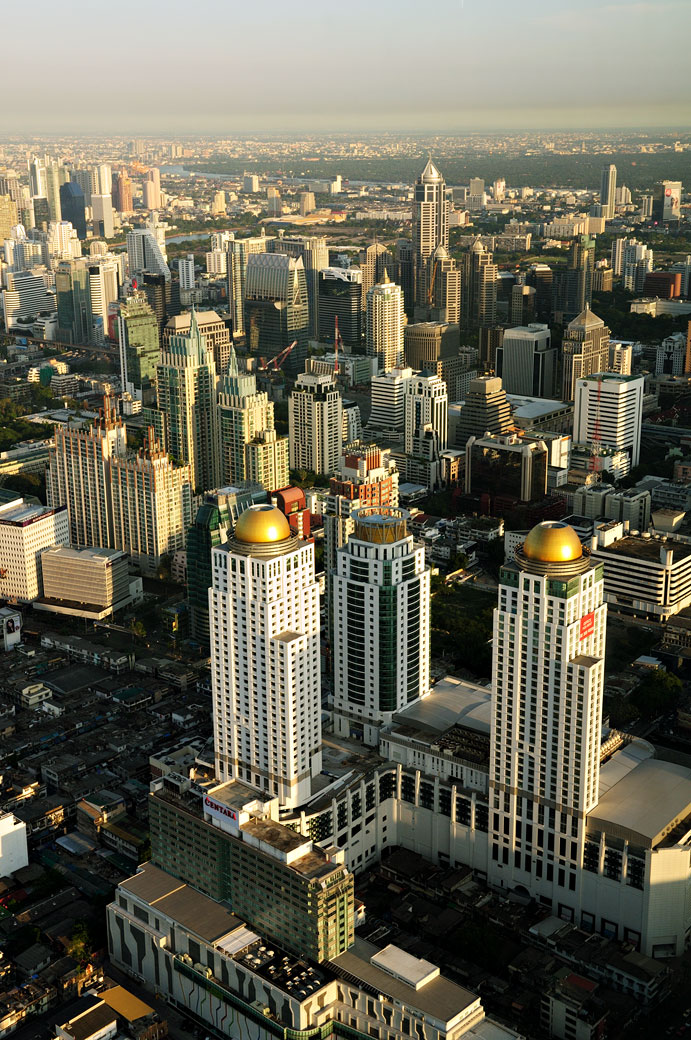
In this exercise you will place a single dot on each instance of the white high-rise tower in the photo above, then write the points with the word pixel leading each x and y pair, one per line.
pixel 385 323
pixel 430 224
pixel 265 670
pixel 549 646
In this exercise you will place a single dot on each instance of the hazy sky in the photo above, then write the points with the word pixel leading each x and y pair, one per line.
pixel 221 66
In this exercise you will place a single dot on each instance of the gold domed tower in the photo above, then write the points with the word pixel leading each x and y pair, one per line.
pixel 553 547
pixel 262 530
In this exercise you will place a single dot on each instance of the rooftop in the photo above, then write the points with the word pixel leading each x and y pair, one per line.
pixel 452 702
pixel 646 548
pixel 646 804
pixel 201 915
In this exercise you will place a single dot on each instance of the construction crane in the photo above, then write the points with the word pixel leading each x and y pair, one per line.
pixel 277 361
pixel 337 340
pixel 431 284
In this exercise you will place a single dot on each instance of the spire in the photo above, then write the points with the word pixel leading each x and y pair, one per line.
pixel 232 362
pixel 430 173
pixel 385 280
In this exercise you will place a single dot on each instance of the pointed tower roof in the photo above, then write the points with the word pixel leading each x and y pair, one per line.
pixel 430 173
pixel 385 280
pixel 586 320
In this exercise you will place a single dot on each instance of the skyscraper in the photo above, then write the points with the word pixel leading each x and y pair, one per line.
pixel 667 202
pixel 385 322
pixel 122 192
pixel 526 362
pixel 276 307
pixel 186 394
pixel 608 408
pixel 265 672
pixel 138 339
pixel 340 296
pixel 104 286
pixel 548 664
pixel 152 505
pixel 212 326
pixel 102 210
pixel 608 190
pixel 152 189
pixel 144 254
pixel 186 272
pixel 388 397
pixel 574 286
pixel 315 424
pixel 430 224
pixel 243 415
pixel 381 626
pixel 73 206
pixel 478 287
pixel 441 287
pixel 485 410
pixel 585 350
pixel 376 262
pixel 72 290
pixel 239 250
pixel 426 404
pixel 79 477
pixel 315 256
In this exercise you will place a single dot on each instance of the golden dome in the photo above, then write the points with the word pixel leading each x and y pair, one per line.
pixel 262 524
pixel 552 542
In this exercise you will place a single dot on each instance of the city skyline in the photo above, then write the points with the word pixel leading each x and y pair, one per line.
pixel 442 94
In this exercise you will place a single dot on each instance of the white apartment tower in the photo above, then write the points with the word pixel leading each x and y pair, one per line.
pixel 426 403
pixel 245 415
pixel 388 399
pixel 548 665
pixel 608 191
pixel 265 669
pixel 25 531
pixel 186 272
pixel 430 223
pixel 381 613
pixel 315 424
pixel 385 323
pixel 608 410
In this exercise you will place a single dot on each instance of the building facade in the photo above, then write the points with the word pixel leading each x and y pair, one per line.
pixel 315 424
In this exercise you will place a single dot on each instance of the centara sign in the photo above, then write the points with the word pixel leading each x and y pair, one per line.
pixel 227 818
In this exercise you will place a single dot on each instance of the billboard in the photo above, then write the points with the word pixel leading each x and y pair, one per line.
pixel 587 625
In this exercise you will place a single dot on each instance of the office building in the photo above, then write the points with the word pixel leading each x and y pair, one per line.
pixel 239 251
pixel 340 298
pixel 314 252
pixel 429 342
pixel 430 225
pixel 307 203
pixel 84 582
pixel 212 327
pixel 243 414
pixel 381 604
pixel 102 214
pixel 608 409
pixel 608 190
pixel 585 350
pixel 264 611
pixel 485 410
pixel 573 286
pixel 250 183
pixel 163 295
pixel 387 394
pixel 630 506
pixel 670 356
pixel 138 340
pixel 73 207
pixel 152 505
pixel 104 288
pixel 144 254
pixel 212 524
pixel 122 192
pixel 440 285
pixel 26 296
pixel 267 460
pixel 376 261
pixel 78 477
pixel 186 273
pixel 315 424
pixel 478 287
pixel 667 202
pixel 187 397
pixel 526 362
pixel 426 404
pixel 45 178
pixel 643 576
pixel 508 468
pixel 8 216
pixel 276 307
pixel 73 298
pixel 25 531
pixel 152 189
pixel 541 278
pixel 385 322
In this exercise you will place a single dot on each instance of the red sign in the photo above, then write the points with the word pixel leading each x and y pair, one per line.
pixel 587 625
pixel 222 809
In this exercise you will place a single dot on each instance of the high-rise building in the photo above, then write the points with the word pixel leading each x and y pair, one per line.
pixel 428 342
pixel 388 400
pixel 73 207
pixel 104 287
pixel 8 216
pixel 144 254
pixel 78 476
pixel 315 257
pixel 9 185
pixel 526 362
pixel 667 202
pixel 307 203
pixel 265 670
pixel 670 356
pixel 211 325
pixel 405 274
pixel 25 531
pixel 585 350
pixel 45 178
pixel 574 287
pixel 122 192
pixel 239 250
pixel 523 297
pixel 186 395
pixel 478 287
pixel 276 307
pixel 485 410
pixel 244 414
pixel 26 296
pixel 315 424
pixel 426 404
pixel 250 183
pixel 152 189
pixel 152 505
pixel 73 297
pixel 548 665
pixel 138 339
pixel 511 468
pixel 385 323
pixel 340 297
pixel 430 224
pixel 186 272
pixel 85 179
pixel 381 632
pixel 163 295
pixel 267 457
pixel 376 262
pixel 211 526
pixel 440 286
pixel 608 189
pixel 540 277
pixel 632 261
pixel 102 212
pixel 608 409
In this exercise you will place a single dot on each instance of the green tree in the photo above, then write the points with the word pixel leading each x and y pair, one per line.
pixel 658 694
pixel 137 629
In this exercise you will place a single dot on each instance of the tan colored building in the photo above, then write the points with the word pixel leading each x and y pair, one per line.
pixel 585 350
pixel 211 326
